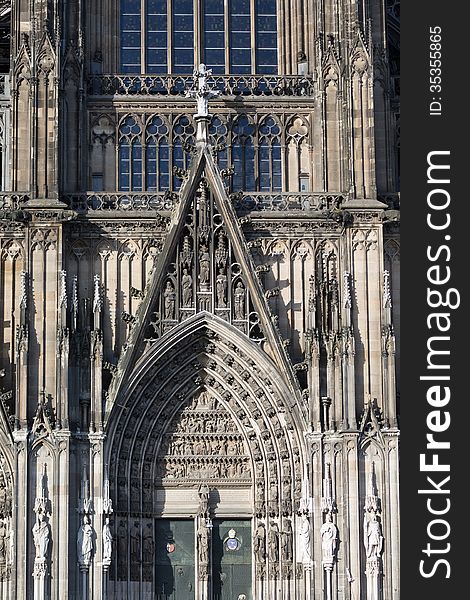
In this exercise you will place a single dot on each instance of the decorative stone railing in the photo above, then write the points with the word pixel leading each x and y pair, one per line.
pixel 119 201
pixel 94 202
pixel 142 202
pixel 177 85
pixel 286 201
pixel 12 200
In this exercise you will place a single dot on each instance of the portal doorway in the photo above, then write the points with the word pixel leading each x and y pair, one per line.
pixel 230 565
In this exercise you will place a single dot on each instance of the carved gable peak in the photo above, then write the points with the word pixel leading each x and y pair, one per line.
pixel 371 422
pixel 205 266
pixel 43 421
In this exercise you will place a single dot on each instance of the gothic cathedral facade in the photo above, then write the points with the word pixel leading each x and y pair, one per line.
pixel 199 300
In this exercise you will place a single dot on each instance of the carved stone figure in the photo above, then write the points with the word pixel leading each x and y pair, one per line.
pixel 107 542
pixel 122 542
pixel 329 533
pixel 204 494
pixel 41 534
pixel 148 544
pixel 135 541
pixel 259 543
pixel 373 539
pixel 169 301
pixel 85 542
pixel 273 543
pixel 221 285
pixel 203 543
pixel 187 288
pixel 305 538
pixel 204 265
pixel 286 540
pixel 239 301
pixel 3 541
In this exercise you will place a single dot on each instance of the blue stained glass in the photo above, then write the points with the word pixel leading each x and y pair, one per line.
pixel 124 166
pixel 130 38
pixel 266 36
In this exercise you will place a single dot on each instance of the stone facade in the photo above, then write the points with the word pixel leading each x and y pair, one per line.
pixel 199 374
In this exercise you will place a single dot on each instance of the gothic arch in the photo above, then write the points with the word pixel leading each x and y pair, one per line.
pixel 205 356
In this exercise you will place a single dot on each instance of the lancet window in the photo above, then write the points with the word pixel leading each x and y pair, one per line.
pixel 149 149
pixel 158 36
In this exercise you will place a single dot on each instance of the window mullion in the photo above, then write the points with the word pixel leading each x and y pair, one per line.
pixel 227 34
pixel 143 36
pixel 198 17
pixel 253 35
pixel 170 36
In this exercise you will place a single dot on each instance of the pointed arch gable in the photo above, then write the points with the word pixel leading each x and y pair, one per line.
pixel 203 164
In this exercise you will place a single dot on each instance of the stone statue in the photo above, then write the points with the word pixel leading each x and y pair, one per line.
pixel 203 543
pixel 122 542
pixel 287 548
pixel 221 285
pixel 135 541
pixel 202 94
pixel 329 533
pixel 85 542
pixel 373 539
pixel 41 534
pixel 107 542
pixel 170 301
pixel 273 543
pixel 204 264
pixel 187 288
pixel 305 537
pixel 148 545
pixel 259 544
pixel 239 301
pixel 3 541
pixel 204 494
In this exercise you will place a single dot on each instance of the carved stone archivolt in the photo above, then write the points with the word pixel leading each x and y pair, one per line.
pixel 204 408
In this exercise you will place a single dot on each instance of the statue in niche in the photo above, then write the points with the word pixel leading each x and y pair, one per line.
pixel 169 301
pixel 135 542
pixel 239 301
pixel 287 548
pixel 305 537
pixel 273 543
pixel 373 539
pixel 221 285
pixel 328 532
pixel 41 534
pixel 122 542
pixel 3 541
pixel 204 495
pixel 259 543
pixel 107 542
pixel 187 288
pixel 85 542
pixel 203 543
pixel 148 544
pixel 204 265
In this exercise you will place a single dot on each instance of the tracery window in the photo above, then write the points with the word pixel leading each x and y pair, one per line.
pixel 263 157
pixel 158 36
pixel 157 155
pixel 243 154
pixel 130 155
pixel 269 156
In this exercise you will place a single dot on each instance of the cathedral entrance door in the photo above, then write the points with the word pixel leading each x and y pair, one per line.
pixel 175 558
pixel 231 560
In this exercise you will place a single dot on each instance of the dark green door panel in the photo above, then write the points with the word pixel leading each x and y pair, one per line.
pixel 174 568
pixel 231 559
